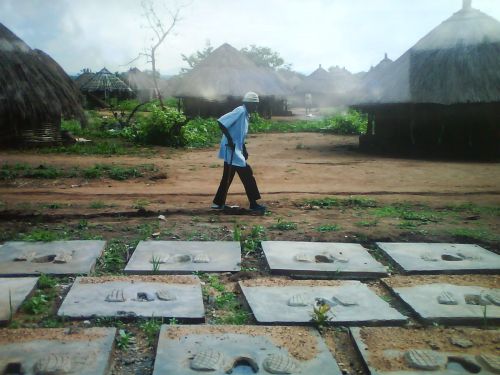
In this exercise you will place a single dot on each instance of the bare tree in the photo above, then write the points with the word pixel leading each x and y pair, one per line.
pixel 161 29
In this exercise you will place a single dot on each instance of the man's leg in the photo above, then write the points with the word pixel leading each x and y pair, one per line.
pixel 225 182
pixel 250 185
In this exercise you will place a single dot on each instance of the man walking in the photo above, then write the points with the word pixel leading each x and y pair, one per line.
pixel 234 126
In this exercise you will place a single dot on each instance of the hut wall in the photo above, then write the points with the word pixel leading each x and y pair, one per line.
pixel 461 129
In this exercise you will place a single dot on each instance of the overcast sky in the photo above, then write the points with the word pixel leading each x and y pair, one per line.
pixel 351 33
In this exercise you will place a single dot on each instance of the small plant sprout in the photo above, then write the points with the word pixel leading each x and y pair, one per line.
pixel 124 339
pixel 156 262
pixel 11 309
pixel 320 315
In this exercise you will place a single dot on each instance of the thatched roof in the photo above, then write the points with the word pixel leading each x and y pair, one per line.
pixel 33 87
pixel 83 78
pixel 318 82
pixel 106 81
pixel 290 78
pixel 457 62
pixel 138 80
pixel 228 72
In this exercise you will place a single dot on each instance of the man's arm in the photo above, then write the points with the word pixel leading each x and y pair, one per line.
pixel 228 136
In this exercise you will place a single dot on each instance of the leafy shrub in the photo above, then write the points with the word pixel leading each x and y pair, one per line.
pixel 201 132
pixel 351 123
pixel 162 128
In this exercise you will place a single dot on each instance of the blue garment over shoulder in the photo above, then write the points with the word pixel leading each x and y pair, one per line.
pixel 236 122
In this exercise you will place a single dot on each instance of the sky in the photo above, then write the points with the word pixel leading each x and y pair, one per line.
pixel 348 33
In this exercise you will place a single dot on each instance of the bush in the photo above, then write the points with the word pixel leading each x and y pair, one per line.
pixel 162 128
pixel 201 132
pixel 351 123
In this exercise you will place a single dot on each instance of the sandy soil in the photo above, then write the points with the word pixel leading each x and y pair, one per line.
pixel 403 339
pixel 60 334
pixel 486 281
pixel 287 166
pixel 149 279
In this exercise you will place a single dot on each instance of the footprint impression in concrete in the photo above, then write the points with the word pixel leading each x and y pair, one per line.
pixel 56 351
pixel 57 258
pixel 135 296
pixel 433 350
pixel 292 302
pixel 184 257
pixel 321 259
pixel 434 258
pixel 186 350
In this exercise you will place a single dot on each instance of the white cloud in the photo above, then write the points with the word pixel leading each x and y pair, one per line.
pixel 351 33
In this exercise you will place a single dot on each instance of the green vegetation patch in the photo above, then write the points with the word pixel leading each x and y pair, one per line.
pixel 42 171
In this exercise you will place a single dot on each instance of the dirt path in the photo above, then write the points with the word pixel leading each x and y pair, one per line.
pixel 287 166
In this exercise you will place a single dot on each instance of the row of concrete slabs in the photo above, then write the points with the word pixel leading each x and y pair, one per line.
pixel 296 259
pixel 272 300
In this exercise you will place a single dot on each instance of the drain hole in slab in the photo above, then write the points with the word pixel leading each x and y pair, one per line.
pixel 462 365
pixel 451 258
pixel 244 366
pixel 323 259
pixel 44 259
pixel 13 368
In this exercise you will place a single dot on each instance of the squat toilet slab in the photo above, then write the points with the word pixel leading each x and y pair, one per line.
pixel 218 350
pixel 135 296
pixel 54 258
pixel 351 302
pixel 184 257
pixel 13 291
pixel 56 351
pixel 432 258
pixel 321 259
pixel 434 350
pixel 451 303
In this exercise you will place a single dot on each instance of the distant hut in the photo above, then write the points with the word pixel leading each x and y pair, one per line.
pixel 84 77
pixel 444 93
pixel 371 80
pixel 104 86
pixel 320 85
pixel 34 93
pixel 141 83
pixel 218 84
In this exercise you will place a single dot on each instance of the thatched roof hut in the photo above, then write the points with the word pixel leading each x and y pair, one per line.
pixel 83 78
pixel 221 80
pixel 105 85
pixel 319 82
pixel 445 90
pixel 141 83
pixel 34 93
pixel 228 72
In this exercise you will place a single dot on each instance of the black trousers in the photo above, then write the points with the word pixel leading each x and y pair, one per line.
pixel 246 177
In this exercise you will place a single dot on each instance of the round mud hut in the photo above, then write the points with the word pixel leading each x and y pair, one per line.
pixel 103 87
pixel 35 93
pixel 84 77
pixel 217 85
pixel 443 95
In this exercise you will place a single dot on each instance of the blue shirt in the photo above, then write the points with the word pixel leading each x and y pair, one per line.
pixel 236 122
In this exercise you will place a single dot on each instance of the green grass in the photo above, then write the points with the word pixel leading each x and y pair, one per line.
pixel 115 172
pixel 43 235
pixel 283 225
pixel 351 202
pixel 476 234
pixel 328 228
pixel 36 305
pixel 151 327
pixel 366 223
pixel 114 258
pixel 98 205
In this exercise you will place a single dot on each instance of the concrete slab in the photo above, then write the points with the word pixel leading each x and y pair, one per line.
pixel 447 359
pixel 147 296
pixel 353 303
pixel 431 258
pixel 185 257
pixel 451 304
pixel 13 291
pixel 55 258
pixel 187 350
pixel 321 259
pixel 55 351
